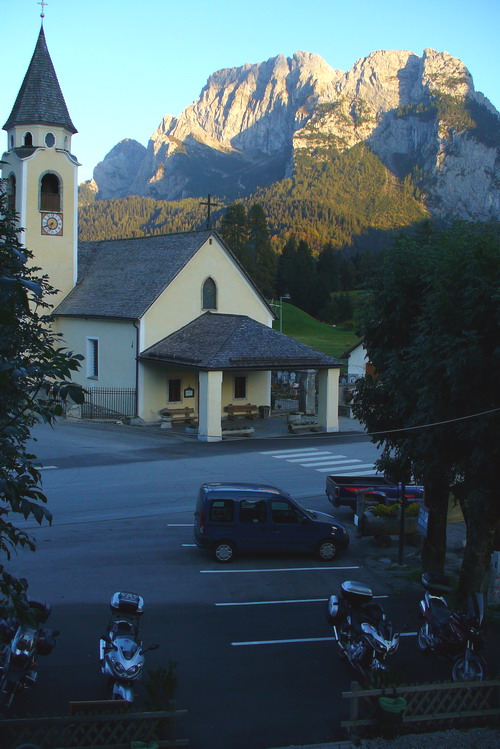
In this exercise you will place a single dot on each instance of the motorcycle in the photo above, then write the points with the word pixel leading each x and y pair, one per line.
pixel 456 634
pixel 362 631
pixel 21 644
pixel 121 654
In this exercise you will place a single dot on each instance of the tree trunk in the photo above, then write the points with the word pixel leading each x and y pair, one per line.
pixel 481 526
pixel 434 546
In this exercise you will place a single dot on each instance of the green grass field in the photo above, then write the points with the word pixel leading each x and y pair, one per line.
pixel 331 340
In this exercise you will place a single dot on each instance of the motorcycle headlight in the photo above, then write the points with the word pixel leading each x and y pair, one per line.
pixel 134 669
pixel 118 667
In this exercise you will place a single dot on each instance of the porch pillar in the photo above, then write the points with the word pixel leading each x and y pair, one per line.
pixel 210 407
pixel 328 399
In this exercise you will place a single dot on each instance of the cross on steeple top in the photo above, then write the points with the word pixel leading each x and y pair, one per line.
pixel 43 4
pixel 210 204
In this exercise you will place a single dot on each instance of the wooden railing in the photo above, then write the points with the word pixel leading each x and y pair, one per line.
pixel 429 706
pixel 79 731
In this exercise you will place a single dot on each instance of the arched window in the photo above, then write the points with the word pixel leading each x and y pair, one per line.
pixel 50 193
pixel 28 139
pixel 209 294
pixel 11 192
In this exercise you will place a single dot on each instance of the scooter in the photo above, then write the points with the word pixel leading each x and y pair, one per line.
pixel 121 654
pixel 456 634
pixel 362 631
pixel 21 645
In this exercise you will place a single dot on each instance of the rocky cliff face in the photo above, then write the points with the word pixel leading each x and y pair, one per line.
pixel 420 115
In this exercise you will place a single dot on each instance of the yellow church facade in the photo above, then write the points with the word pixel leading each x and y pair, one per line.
pixel 174 318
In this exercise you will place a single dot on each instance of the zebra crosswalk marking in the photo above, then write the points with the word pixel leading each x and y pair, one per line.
pixel 296 450
pixel 316 457
pixel 323 461
pixel 352 469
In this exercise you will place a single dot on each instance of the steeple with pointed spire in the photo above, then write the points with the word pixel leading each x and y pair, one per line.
pixel 40 173
pixel 40 99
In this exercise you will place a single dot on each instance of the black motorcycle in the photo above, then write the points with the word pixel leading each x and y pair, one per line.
pixel 459 635
pixel 20 645
pixel 362 631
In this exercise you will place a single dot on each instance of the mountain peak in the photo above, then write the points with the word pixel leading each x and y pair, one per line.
pixel 250 124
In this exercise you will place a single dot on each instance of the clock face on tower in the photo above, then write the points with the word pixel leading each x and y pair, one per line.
pixel 52 223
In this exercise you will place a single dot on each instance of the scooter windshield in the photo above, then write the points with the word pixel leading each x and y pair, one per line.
pixel 127 647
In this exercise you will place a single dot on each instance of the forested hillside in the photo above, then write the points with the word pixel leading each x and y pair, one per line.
pixel 335 201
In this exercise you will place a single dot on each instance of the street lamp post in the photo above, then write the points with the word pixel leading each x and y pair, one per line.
pixel 287 298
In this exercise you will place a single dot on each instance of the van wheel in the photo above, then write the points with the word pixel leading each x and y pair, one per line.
pixel 225 551
pixel 326 550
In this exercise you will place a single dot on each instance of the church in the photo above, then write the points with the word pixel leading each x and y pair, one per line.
pixel 174 319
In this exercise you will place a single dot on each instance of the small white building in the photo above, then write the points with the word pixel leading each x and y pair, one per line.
pixel 357 362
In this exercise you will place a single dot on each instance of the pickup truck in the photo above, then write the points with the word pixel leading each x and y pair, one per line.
pixel 342 490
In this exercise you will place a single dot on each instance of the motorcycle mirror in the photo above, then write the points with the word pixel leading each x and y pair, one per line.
pixel 151 647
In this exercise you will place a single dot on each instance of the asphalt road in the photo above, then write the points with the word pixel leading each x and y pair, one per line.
pixel 256 664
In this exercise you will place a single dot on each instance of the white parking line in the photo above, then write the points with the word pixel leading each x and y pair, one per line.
pixel 272 603
pixel 179 525
pixel 284 569
pixel 283 642
pixel 296 640
pixel 45 468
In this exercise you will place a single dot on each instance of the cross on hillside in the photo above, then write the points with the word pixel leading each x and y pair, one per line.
pixel 209 205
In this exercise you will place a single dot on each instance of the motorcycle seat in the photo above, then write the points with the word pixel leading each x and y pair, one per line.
pixel 371 613
pixel 440 612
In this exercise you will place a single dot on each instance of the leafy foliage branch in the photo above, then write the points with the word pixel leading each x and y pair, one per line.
pixel 35 379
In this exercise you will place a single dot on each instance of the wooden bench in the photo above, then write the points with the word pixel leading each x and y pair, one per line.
pixel 178 414
pixel 245 410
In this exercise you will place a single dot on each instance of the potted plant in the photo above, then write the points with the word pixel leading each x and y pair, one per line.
pixel 385 520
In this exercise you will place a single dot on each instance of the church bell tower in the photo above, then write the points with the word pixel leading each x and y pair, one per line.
pixel 41 175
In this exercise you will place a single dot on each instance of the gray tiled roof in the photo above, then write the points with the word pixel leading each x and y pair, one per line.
pixel 123 277
pixel 219 341
pixel 40 98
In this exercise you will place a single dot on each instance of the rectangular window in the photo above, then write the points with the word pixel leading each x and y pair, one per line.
pixel 222 511
pixel 253 512
pixel 284 512
pixel 174 391
pixel 240 387
pixel 92 357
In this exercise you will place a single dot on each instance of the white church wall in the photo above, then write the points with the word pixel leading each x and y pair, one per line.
pixel 116 350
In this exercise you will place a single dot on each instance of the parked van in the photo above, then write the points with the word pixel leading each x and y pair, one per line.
pixel 236 517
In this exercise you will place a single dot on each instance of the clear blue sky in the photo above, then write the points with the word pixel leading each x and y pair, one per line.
pixel 122 65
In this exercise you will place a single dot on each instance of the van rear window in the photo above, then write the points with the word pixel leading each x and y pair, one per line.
pixel 222 510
